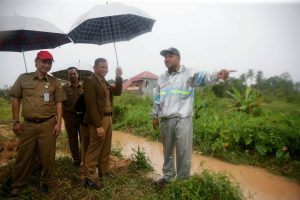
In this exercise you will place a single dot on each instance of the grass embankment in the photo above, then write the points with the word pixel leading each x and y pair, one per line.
pixel 269 138
pixel 5 111
pixel 130 179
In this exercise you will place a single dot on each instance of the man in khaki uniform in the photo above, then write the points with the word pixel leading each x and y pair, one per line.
pixel 98 96
pixel 83 128
pixel 41 96
pixel 72 90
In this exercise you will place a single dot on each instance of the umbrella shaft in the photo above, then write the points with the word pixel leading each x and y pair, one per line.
pixel 116 54
pixel 24 61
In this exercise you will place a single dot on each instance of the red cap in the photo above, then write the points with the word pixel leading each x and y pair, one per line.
pixel 44 55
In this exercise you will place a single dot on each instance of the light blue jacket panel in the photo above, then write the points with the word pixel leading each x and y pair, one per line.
pixel 174 93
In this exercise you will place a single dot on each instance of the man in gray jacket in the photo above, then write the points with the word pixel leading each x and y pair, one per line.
pixel 173 103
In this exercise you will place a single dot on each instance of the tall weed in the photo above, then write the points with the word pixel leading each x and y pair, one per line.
pixel 208 185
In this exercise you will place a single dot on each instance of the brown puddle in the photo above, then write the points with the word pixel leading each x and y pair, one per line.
pixel 256 181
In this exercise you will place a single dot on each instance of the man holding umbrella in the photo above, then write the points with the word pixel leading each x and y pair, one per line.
pixel 41 96
pixel 98 95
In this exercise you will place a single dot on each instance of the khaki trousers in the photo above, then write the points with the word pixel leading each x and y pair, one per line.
pixel 36 140
pixel 99 151
pixel 84 141
pixel 72 127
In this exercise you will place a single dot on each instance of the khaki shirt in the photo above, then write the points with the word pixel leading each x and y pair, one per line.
pixel 108 106
pixel 31 90
pixel 95 98
pixel 72 95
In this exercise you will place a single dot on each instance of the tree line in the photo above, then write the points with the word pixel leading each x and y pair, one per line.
pixel 281 86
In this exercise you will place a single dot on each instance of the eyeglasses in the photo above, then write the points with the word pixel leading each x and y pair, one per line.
pixel 48 61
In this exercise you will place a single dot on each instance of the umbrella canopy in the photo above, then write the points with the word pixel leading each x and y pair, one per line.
pixel 83 72
pixel 20 34
pixel 110 23
pixel 63 74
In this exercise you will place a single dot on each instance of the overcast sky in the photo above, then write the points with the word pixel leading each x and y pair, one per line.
pixel 261 35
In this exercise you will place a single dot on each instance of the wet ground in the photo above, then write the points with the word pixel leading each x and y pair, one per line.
pixel 256 181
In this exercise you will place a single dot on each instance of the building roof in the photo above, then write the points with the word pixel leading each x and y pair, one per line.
pixel 144 75
pixel 138 77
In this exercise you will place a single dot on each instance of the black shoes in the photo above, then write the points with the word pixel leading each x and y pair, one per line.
pixel 90 184
pixel 44 188
pixel 76 164
pixel 14 192
pixel 161 183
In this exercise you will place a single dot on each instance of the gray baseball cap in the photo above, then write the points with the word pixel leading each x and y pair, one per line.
pixel 171 50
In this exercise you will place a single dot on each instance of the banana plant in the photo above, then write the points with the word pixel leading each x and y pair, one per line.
pixel 244 103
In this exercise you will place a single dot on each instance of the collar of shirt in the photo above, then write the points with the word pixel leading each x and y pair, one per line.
pixel 35 76
pixel 101 79
pixel 181 69
pixel 70 85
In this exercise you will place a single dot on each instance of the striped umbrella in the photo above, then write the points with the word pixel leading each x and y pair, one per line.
pixel 110 23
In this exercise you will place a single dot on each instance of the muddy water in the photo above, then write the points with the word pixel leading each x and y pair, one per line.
pixel 253 180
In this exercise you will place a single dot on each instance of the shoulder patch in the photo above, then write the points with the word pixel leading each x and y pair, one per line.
pixel 28 74
pixel 59 84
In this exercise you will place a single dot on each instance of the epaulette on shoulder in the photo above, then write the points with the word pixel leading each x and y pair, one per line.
pixel 28 73
pixel 51 76
pixel 88 78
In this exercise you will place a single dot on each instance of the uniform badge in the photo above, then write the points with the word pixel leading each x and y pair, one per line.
pixel 46 94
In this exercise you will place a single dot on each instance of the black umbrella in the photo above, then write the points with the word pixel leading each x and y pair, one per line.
pixel 63 74
pixel 110 23
pixel 20 34
pixel 83 71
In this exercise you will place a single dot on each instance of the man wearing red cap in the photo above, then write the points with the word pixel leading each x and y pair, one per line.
pixel 41 96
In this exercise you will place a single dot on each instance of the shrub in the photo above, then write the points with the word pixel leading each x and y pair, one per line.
pixel 208 185
pixel 245 102
pixel 141 162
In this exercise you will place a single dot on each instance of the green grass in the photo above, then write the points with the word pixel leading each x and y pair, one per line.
pixel 129 182
pixel 281 106
pixel 270 139
pixel 116 150
pixel 5 108
pixel 231 136
pixel 141 161
pixel 208 185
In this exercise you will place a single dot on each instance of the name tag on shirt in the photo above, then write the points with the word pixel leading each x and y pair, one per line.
pixel 46 97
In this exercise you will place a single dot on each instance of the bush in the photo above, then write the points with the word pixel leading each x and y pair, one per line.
pixel 263 135
pixel 269 136
pixel 133 113
pixel 208 185
pixel 5 114
pixel 140 161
